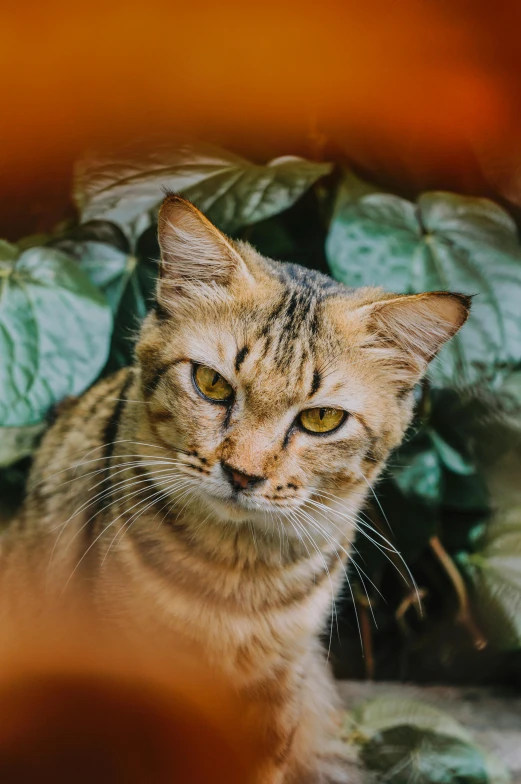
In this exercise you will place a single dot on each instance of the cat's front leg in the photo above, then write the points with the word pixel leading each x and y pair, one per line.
pixel 318 755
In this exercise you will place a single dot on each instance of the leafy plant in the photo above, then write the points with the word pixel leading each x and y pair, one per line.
pixel 71 305
pixel 54 336
pixel 406 741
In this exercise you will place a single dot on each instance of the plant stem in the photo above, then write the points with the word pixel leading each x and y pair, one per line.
pixel 464 615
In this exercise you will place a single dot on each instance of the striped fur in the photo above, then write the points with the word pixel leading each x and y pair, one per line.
pixel 129 499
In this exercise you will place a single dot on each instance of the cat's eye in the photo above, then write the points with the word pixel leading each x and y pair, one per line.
pixel 211 384
pixel 321 420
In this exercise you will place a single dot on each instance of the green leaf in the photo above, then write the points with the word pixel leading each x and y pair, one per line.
pixel 509 395
pixel 126 278
pixel 8 251
pixel 18 442
pixel 232 191
pixel 408 741
pixel 55 330
pixel 137 296
pixel 103 252
pixel 384 713
pixel 421 475
pixel 296 235
pixel 495 574
pixel 443 242
pixel 407 755
pixel 450 458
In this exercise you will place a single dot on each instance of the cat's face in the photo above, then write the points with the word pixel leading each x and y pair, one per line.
pixel 274 385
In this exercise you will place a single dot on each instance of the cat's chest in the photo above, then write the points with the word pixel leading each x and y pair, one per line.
pixel 244 618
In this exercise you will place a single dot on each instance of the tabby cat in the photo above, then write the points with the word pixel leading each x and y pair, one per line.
pixel 213 488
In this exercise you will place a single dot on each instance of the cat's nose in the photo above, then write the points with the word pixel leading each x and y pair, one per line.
pixel 238 479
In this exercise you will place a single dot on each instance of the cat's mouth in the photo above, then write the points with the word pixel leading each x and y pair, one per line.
pixel 238 506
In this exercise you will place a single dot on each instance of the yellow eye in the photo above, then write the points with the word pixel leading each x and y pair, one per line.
pixel 321 420
pixel 211 384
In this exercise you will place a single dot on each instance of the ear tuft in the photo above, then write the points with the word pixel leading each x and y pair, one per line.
pixel 194 252
pixel 421 323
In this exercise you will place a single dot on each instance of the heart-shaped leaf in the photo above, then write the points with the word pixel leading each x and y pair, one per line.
pixel 443 242
pixel 55 328
pixel 231 190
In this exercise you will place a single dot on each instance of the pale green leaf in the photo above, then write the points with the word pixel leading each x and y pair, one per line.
pixel 231 190
pixel 410 742
pixel 55 328
pixel 442 242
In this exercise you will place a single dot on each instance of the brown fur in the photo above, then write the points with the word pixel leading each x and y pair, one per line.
pixel 161 537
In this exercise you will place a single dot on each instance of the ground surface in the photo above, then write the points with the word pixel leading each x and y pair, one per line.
pixel 493 716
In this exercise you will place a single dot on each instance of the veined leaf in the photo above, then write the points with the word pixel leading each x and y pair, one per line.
pixel 409 741
pixel 495 573
pixel 104 254
pixel 384 713
pixel 232 191
pixel 126 276
pixel 443 242
pixel 407 755
pixel 55 330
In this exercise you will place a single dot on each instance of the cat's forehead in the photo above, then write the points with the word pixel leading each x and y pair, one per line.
pixel 280 348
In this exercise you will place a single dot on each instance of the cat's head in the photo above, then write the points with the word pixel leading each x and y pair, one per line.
pixel 270 383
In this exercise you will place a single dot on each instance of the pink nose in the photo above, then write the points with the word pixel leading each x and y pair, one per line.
pixel 242 480
pixel 238 479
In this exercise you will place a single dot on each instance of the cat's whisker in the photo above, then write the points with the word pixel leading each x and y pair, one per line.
pixel 335 543
pixel 198 527
pixel 380 507
pixel 128 464
pixel 354 520
pixel 104 530
pixel 141 464
pixel 180 512
pixel 127 400
pixel 63 525
pixel 294 518
pixel 99 496
pixel 361 526
pixel 126 482
pixel 129 523
pixel 252 529
pixel 101 457
pixel 350 588
pixel 168 511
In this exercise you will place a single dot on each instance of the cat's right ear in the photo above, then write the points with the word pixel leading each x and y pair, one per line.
pixel 196 258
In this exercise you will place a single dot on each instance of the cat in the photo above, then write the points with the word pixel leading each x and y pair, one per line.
pixel 211 490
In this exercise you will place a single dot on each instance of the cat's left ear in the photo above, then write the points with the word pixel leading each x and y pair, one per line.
pixel 196 258
pixel 419 324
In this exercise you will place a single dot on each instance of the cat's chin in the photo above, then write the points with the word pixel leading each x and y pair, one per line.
pixel 231 509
